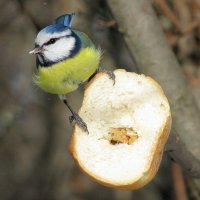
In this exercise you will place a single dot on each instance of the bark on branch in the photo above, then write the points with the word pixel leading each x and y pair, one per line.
pixel 146 42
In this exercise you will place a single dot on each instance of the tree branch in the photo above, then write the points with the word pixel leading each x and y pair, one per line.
pixel 145 40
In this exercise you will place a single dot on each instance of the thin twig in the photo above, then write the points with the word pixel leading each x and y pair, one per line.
pixel 182 29
pixel 178 180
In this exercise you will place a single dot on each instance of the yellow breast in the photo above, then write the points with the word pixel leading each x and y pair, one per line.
pixel 65 76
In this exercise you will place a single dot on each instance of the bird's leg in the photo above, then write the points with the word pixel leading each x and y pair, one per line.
pixel 75 118
pixel 108 72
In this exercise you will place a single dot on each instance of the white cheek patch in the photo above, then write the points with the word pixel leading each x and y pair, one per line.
pixel 44 37
pixel 60 49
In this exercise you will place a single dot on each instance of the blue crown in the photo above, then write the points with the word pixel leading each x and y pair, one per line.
pixel 61 23
pixel 65 20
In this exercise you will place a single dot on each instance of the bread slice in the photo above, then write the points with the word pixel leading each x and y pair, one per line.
pixel 128 124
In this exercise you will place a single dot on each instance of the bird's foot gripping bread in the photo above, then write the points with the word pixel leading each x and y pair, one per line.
pixel 128 125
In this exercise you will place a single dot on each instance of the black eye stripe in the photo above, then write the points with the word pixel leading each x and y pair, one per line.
pixel 51 41
pixel 36 45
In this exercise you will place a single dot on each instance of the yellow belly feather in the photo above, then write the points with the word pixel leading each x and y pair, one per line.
pixel 65 76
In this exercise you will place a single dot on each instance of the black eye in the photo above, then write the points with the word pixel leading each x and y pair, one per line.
pixel 52 41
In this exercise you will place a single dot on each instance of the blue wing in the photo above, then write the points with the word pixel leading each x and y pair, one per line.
pixel 65 20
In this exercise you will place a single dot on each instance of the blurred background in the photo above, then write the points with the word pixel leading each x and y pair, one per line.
pixel 35 163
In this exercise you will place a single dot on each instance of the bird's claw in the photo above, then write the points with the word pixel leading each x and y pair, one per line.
pixel 109 73
pixel 76 119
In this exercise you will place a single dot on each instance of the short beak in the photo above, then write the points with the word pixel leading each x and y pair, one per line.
pixel 36 50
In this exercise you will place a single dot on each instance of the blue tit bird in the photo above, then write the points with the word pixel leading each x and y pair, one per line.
pixel 65 58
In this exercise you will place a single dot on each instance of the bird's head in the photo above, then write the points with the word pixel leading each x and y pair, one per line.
pixel 56 42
